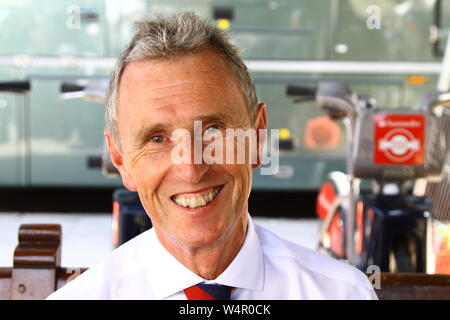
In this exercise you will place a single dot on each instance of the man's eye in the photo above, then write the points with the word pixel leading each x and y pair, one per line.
pixel 213 129
pixel 157 139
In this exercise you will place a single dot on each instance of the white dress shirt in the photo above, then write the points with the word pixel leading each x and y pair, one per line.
pixel 266 267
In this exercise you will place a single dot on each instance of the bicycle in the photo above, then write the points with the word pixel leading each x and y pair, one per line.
pixel 388 227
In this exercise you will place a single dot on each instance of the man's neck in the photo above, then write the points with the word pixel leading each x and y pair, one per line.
pixel 211 260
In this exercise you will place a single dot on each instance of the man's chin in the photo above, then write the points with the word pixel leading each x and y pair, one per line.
pixel 194 235
pixel 200 238
pixel 197 235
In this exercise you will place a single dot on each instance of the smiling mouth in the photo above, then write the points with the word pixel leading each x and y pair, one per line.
pixel 201 200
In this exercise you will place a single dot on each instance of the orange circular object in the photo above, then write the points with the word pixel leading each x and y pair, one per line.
pixel 322 132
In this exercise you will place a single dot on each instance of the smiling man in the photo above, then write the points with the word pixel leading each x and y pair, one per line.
pixel 177 72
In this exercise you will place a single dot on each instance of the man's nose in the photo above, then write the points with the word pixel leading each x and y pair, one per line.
pixel 191 173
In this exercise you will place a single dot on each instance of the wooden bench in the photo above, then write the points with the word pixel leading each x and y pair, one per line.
pixel 414 286
pixel 36 271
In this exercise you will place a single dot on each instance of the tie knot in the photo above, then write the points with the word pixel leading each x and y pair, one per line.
pixel 204 291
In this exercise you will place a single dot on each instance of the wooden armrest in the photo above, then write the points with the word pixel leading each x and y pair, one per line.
pixel 39 246
pixel 36 259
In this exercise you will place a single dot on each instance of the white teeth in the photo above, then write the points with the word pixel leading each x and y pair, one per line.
pixel 201 201
pixel 197 201
pixel 194 203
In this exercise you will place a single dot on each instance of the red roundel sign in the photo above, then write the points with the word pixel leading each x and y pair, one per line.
pixel 399 139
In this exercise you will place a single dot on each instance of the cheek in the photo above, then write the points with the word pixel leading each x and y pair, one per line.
pixel 242 176
pixel 148 158
pixel 148 171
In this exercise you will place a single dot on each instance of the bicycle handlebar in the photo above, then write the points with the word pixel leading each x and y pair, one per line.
pixel 336 98
pixel 93 89
pixel 15 86
pixel 435 102
pixel 70 87
pixel 301 91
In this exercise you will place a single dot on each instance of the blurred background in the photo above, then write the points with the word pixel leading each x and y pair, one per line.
pixel 52 161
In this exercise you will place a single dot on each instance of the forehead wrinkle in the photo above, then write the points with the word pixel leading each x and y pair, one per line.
pixel 187 98
pixel 161 84
pixel 199 89
pixel 174 105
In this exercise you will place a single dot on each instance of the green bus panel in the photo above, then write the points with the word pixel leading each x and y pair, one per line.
pixel 12 139
pixel 262 29
pixel 64 134
pixel 385 30
pixel 52 28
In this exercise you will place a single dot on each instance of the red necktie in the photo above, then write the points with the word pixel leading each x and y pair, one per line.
pixel 203 291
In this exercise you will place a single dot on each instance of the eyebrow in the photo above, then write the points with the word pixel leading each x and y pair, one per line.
pixel 144 133
pixel 218 116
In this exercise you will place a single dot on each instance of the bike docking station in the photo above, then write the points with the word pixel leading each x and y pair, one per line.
pixel 388 227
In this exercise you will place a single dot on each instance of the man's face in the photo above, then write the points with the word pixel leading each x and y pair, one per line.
pixel 159 96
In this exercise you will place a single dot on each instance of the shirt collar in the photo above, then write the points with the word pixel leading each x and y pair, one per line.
pixel 169 276
pixel 247 269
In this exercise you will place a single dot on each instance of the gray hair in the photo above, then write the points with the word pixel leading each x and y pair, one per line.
pixel 167 37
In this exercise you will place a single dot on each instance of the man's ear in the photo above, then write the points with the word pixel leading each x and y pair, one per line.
pixel 118 162
pixel 260 123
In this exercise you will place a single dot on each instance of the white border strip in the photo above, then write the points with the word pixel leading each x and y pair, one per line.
pixel 344 67
pixel 65 62
pixel 278 66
